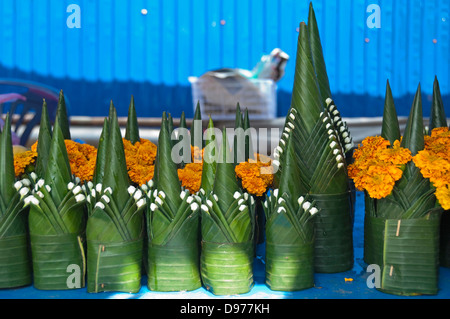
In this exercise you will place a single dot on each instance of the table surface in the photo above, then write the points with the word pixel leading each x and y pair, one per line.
pixel 351 284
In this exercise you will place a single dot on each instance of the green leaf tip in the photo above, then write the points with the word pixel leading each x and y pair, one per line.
pixel 437 114
pixel 62 116
pixel 390 127
pixel 132 128
pixel 209 159
pixel 44 141
pixel 7 176
pixel 413 138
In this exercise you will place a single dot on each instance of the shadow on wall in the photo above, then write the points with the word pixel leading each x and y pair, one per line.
pixel 92 98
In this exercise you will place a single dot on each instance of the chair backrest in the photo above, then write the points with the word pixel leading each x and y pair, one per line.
pixel 28 112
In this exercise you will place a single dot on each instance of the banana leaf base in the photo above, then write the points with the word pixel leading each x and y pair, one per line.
pixel 410 261
pixel 58 261
pixel 289 267
pixel 173 267
pixel 445 240
pixel 374 240
pixel 227 269
pixel 115 266
pixel 334 233
pixel 15 262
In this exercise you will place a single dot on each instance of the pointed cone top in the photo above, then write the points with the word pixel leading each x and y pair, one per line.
pixel 225 183
pixel 197 117
pixel 101 154
pixel 7 176
pixel 437 115
pixel 209 159
pixel 413 138
pixel 249 152
pixel 166 169
pixel 238 120
pixel 390 128
pixel 44 141
pixel 132 128
pixel 61 114
pixel 306 98
pixel 317 55
pixel 115 172
pixel 183 120
pixel 58 173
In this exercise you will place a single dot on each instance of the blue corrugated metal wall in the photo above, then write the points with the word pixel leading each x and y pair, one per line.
pixel 119 51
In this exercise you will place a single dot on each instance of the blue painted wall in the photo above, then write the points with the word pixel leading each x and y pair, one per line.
pixel 118 51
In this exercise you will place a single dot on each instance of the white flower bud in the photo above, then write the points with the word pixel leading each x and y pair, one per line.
pixel 48 188
pixel 242 207
pixel 215 197
pixel 236 195
pixel 306 205
pixel 106 199
pixel 313 211
pixel 189 199
pixel 40 183
pixel 292 126
pixel 182 195
pixel 33 175
pixel 100 205
pixel 292 116
pixel 150 183
pixel 328 101
pixel 80 198
pixel 209 203
pixel 281 209
pixel 108 190
pixel 131 189
pixel 24 191
pixel 140 203
pixel 340 165
pixel 90 184
pixel 40 194
pixel 333 144
pixel 158 201
pixel 18 185
pixel 76 190
pixel 162 194
pixel 202 191
pixel 98 188
pixel 275 192
pixel 204 207
pixel 153 207
pixel 144 187
pixel 194 207
pixel 137 195
pixel 241 201
pixel 300 200
pixel 281 200
pixel 70 186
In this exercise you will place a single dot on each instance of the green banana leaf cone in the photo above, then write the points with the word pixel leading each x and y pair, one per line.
pixel 227 228
pixel 15 259
pixel 57 223
pixel 115 225
pixel 172 226
pixel 402 230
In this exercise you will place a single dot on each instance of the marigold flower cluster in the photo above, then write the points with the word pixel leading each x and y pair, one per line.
pixel 82 159
pixel 378 165
pixel 256 175
pixel 434 163
pixel 22 160
pixel 140 159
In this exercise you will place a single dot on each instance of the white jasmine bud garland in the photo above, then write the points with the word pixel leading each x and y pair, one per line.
pixel 18 185
pixel 328 126
pixel 48 188
pixel 240 201
pixel 40 194
pixel 300 200
pixel 31 200
pixel 325 119
pixel 76 190
pixel 236 195
pixel 90 184
pixel 93 193
pixel 88 199
pixel 209 203
pixel 287 129
pixel 105 199
pixel 286 135
pixel 131 189
pixel 155 193
pixel 246 196
pixel 33 175
pixel 140 203
pixel 194 206
pixel 153 207
pixel 158 201
pixel 282 141
pixel 333 144
pixel 242 207
pixel 108 190
pixel 80 198
pixel 313 211
pixel 292 126
pixel 190 199
pixel 281 200
pixel 328 101
pixel 279 149
pixel 182 195
pixel 339 158
pixel 292 116
pixel 340 165
pixel 100 205
pixel 144 187
pixel 98 188
pixel 204 207
pixel 77 180
pixel 202 191
pixel 275 192
pixel 281 209
pixel 335 151
pixel 335 112
pixel 70 186
pixel 150 183
pixel 40 183
pixel 306 205
pixel 137 195
pixel 162 194
pixel 215 197
pixel 276 163
pixel 24 191
pixel 26 182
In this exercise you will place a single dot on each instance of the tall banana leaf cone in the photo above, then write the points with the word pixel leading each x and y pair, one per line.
pixel 15 259
pixel 438 121
pixel 323 168
pixel 289 230
pixel 196 129
pixel 172 226
pixel 57 223
pixel 62 116
pixel 374 226
pixel 115 226
pixel 132 128
pixel 228 226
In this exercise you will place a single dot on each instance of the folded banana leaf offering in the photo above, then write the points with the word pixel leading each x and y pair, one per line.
pixel 172 225
pixel 57 218
pixel 227 229
pixel 320 142
pixel 15 259
pixel 289 229
pixel 402 229
pixel 115 224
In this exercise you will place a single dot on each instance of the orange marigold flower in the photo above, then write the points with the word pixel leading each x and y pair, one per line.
pixel 82 159
pixel 140 159
pixel 191 177
pixel 22 160
pixel 443 196
pixel 256 175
